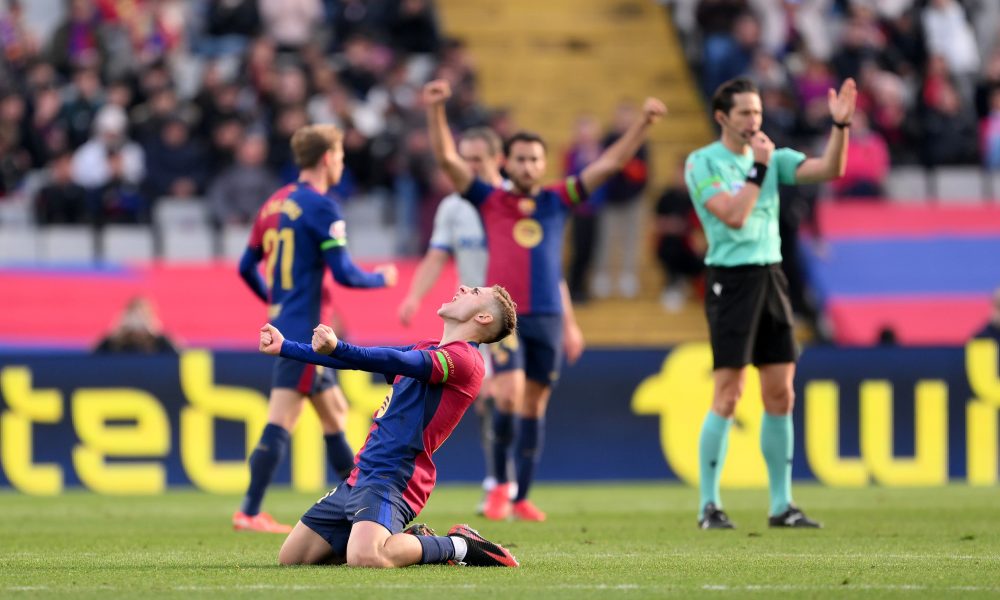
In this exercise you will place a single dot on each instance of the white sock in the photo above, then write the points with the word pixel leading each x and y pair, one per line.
pixel 461 547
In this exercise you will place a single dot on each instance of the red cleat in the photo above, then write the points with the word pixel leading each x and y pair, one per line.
pixel 525 510
pixel 482 552
pixel 262 522
pixel 497 506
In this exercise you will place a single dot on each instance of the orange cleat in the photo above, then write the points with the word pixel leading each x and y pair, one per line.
pixel 262 522
pixel 525 510
pixel 497 506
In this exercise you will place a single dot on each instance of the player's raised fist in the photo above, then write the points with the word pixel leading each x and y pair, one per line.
pixel 436 92
pixel 270 340
pixel 653 109
pixel 324 339
pixel 390 273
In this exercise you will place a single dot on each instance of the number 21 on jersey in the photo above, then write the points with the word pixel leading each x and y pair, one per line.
pixel 275 239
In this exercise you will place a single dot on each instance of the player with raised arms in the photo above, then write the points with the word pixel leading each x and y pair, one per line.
pixel 458 232
pixel 524 228
pixel 298 233
pixel 360 523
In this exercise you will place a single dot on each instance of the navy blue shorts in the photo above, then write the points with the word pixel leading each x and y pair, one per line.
pixel 536 348
pixel 334 514
pixel 307 379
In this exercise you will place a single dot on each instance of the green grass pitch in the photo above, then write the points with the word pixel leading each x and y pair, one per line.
pixel 632 541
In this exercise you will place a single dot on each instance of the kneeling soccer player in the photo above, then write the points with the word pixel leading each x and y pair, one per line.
pixel 361 522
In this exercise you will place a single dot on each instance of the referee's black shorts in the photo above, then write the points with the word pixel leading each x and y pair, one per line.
pixel 749 316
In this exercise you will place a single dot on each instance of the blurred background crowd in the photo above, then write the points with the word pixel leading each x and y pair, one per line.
pixel 110 109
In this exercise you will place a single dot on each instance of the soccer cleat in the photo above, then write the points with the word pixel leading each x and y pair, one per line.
pixel 793 517
pixel 525 510
pixel 482 552
pixel 421 529
pixel 262 522
pixel 714 518
pixel 498 505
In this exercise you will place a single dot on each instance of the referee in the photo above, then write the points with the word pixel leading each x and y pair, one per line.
pixel 733 184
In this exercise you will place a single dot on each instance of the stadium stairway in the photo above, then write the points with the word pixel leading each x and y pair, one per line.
pixel 551 61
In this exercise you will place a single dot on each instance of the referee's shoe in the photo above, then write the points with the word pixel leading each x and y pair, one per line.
pixel 793 517
pixel 714 518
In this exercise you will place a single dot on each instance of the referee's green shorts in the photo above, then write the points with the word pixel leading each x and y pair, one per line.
pixel 749 316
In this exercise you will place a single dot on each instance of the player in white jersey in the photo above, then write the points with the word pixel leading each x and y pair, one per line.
pixel 458 231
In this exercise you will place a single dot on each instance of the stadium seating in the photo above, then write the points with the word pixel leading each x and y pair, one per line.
pixel 18 245
pixel 187 244
pixel 907 184
pixel 127 243
pixel 234 240
pixel 959 184
pixel 67 244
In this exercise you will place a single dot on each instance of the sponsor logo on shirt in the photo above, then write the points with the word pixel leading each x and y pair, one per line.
pixel 528 233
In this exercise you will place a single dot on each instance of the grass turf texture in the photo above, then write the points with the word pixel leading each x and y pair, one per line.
pixel 633 541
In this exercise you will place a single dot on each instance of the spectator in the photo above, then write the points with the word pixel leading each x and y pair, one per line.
pixel 46 132
pixel 989 82
pixel 413 27
pixel 17 44
pixel 949 130
pixel 80 41
pixel 228 27
pixel 175 163
pixel 990 135
pixel 359 71
pixel 60 200
pixel 85 98
pixel 15 158
pixel 91 164
pixel 290 23
pixel 237 193
pixel 860 42
pixel 621 217
pixel 867 162
pixel 119 200
pixel 138 331
pixel 732 35
pixel 949 34
pixel 680 244
pixel 584 148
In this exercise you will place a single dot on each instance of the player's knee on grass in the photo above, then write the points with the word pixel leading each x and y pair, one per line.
pixel 367 557
pixel 303 546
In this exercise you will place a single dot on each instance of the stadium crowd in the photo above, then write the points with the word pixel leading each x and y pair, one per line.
pixel 928 73
pixel 131 101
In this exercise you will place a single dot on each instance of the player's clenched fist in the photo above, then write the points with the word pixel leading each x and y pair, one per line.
pixel 270 340
pixel 436 92
pixel 324 339
pixel 653 109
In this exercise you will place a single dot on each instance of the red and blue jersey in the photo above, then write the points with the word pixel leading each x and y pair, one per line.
pixel 416 418
pixel 525 236
pixel 294 233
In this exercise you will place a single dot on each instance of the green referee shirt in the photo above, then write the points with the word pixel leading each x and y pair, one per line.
pixel 715 169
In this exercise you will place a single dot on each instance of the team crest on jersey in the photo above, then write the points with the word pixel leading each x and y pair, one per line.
pixel 528 233
pixel 527 206
pixel 338 230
